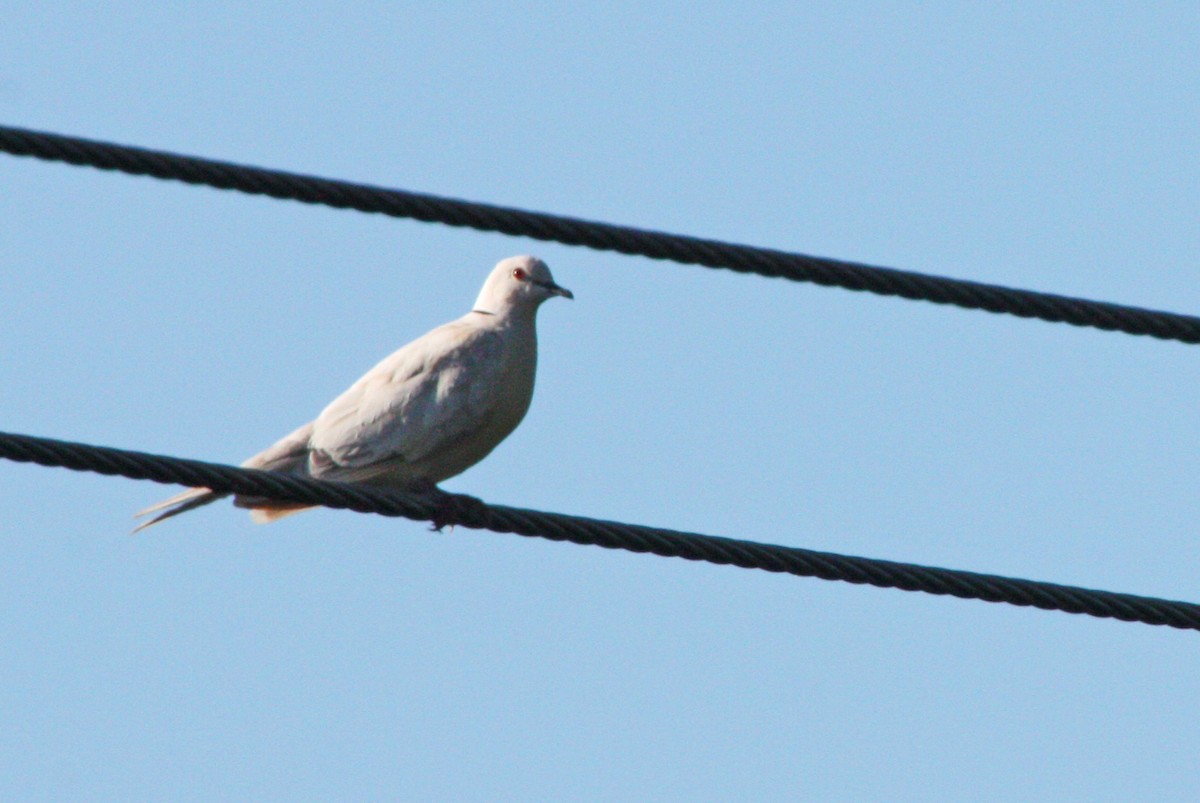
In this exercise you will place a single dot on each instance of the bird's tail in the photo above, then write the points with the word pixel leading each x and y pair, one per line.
pixel 266 511
pixel 262 511
pixel 190 499
pixel 288 455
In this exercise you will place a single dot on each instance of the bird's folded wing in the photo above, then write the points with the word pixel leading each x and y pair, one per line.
pixel 425 396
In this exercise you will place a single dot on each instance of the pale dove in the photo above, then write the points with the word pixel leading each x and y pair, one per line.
pixel 428 412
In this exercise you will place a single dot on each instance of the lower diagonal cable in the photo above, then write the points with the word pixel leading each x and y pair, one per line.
pixel 608 534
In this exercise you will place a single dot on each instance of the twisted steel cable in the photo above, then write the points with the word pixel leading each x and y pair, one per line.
pixel 601 236
pixel 467 512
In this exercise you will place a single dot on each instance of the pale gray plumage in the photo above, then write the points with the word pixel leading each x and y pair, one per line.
pixel 428 412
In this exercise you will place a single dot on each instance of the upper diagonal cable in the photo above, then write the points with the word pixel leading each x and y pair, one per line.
pixel 602 236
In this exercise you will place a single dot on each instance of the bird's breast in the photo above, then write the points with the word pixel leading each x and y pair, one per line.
pixel 510 396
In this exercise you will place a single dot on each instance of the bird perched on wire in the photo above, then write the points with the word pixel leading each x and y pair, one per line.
pixel 428 412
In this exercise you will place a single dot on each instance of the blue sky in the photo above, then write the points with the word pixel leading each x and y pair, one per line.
pixel 1050 146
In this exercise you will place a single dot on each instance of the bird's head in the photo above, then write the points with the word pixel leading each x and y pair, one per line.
pixel 518 283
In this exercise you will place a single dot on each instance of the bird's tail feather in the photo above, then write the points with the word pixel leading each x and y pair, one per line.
pixel 265 511
pixel 266 515
pixel 190 499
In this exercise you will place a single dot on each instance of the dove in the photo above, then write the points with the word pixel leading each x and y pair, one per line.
pixel 426 413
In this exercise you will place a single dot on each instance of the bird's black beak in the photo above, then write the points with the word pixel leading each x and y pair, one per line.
pixel 555 289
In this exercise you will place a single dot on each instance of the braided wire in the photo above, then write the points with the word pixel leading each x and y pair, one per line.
pixel 601 236
pixel 454 509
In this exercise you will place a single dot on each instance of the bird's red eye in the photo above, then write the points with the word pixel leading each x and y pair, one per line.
pixel 519 274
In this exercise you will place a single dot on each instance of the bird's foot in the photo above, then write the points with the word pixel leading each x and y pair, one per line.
pixel 449 509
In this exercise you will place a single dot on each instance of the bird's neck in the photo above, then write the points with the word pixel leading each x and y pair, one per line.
pixel 510 318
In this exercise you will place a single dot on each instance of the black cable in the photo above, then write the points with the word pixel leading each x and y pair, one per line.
pixel 609 534
pixel 601 236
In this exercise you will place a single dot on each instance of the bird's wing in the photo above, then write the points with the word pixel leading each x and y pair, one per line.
pixel 423 397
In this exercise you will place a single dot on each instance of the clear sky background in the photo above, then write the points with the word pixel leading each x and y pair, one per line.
pixel 341 656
